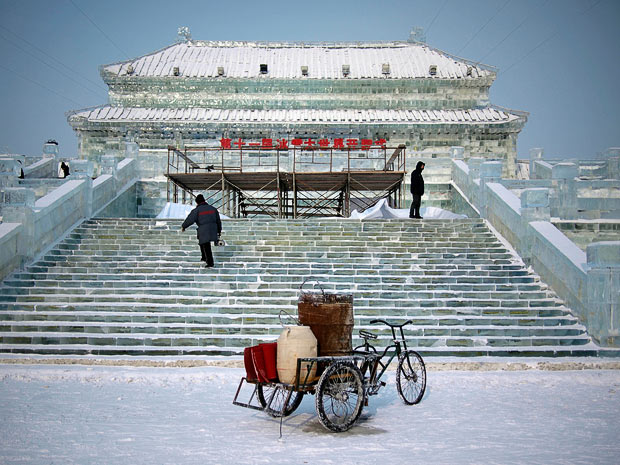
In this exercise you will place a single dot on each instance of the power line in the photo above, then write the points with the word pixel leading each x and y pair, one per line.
pixel 436 16
pixel 50 65
pixel 511 32
pixel 26 78
pixel 484 25
pixel 591 6
pixel 529 53
pixel 100 30
pixel 54 59
pixel 543 42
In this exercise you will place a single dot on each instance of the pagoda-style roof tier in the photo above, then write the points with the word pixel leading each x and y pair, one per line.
pixel 341 61
pixel 480 116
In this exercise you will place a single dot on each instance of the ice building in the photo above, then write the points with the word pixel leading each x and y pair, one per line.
pixel 205 93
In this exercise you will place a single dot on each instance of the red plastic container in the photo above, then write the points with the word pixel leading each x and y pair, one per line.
pixel 259 363
pixel 270 354
pixel 250 372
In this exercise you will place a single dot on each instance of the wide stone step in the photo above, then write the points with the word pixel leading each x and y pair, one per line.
pixel 17 286
pixel 259 288
pixel 388 238
pixel 272 269
pixel 200 289
pixel 269 269
pixel 418 275
pixel 274 309
pixel 309 255
pixel 283 241
pixel 262 263
pixel 201 275
pixel 588 350
pixel 167 260
pixel 258 299
pixel 244 340
pixel 299 236
pixel 285 250
pixel 286 228
pixel 287 224
pixel 19 319
pixel 243 261
pixel 117 333
pixel 270 240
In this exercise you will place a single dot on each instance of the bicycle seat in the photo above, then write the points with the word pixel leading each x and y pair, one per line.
pixel 367 335
pixel 391 325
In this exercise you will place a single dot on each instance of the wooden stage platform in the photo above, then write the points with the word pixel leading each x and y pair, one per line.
pixel 241 189
pixel 274 181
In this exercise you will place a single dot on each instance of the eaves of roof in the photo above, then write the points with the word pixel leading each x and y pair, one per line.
pixel 387 60
pixel 111 114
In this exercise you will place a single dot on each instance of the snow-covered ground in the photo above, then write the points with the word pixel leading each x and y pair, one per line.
pixel 62 414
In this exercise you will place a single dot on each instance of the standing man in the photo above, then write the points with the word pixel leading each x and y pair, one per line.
pixel 417 190
pixel 207 218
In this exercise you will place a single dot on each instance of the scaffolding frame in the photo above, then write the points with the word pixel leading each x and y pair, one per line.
pixel 298 182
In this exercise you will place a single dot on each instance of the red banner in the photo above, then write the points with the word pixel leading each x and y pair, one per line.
pixel 285 144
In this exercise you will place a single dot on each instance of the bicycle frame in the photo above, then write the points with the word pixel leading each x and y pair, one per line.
pixel 372 366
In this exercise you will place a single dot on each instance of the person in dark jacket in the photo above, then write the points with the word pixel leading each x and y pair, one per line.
pixel 417 190
pixel 65 169
pixel 207 218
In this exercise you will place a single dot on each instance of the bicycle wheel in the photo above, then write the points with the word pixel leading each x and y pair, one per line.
pixel 339 396
pixel 411 377
pixel 274 409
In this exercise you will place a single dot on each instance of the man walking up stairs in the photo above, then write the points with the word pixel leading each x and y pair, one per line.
pixel 209 227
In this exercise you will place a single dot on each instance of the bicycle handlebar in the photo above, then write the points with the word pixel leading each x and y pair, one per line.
pixel 391 325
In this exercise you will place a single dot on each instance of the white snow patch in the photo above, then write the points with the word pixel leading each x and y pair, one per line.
pixel 178 211
pixel 175 210
pixel 382 210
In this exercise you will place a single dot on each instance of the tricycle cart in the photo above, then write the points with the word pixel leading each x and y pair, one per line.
pixel 342 384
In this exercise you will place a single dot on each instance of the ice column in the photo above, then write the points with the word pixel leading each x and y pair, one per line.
pixel 131 149
pixel 108 165
pixel 9 169
pixel 456 153
pixel 534 207
pixel 84 169
pixel 564 174
pixel 18 207
pixel 474 179
pixel 604 292
pixel 50 150
pixel 613 162
pixel 535 154
pixel 490 171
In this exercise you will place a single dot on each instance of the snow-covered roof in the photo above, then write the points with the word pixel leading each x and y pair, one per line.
pixel 109 113
pixel 201 59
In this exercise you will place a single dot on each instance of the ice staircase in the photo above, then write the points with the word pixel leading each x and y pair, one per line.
pixel 137 287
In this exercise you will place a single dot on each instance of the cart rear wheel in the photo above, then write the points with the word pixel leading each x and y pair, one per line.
pixel 411 377
pixel 279 397
pixel 340 396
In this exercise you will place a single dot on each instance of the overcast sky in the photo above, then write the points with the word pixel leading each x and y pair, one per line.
pixel 559 60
